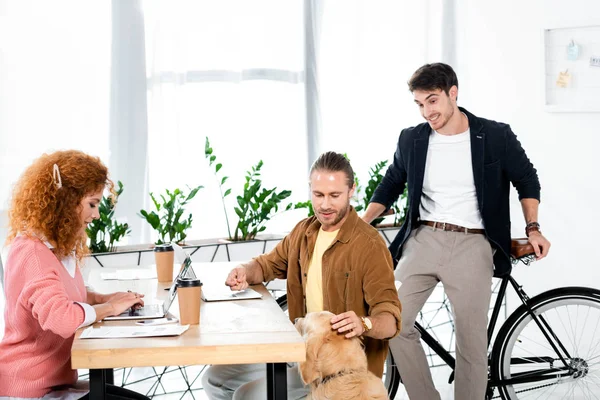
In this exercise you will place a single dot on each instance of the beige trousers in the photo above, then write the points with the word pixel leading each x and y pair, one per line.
pixel 464 265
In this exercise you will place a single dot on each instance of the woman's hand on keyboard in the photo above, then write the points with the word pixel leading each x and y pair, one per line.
pixel 122 301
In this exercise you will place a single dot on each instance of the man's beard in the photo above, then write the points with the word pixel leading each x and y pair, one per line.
pixel 340 215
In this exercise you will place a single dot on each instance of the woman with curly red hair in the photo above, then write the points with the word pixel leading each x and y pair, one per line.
pixel 46 299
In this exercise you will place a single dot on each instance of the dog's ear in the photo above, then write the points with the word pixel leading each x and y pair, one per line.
pixel 309 369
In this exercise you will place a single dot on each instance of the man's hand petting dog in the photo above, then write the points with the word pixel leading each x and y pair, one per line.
pixel 348 323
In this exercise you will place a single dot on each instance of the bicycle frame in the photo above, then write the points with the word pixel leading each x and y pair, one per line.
pixel 530 376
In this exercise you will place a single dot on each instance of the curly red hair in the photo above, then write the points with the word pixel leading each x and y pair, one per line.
pixel 40 208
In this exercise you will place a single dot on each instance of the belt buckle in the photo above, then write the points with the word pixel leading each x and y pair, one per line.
pixel 439 225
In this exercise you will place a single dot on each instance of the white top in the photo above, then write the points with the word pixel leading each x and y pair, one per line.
pixel 448 186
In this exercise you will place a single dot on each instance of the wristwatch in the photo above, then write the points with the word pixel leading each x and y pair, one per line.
pixel 531 227
pixel 367 324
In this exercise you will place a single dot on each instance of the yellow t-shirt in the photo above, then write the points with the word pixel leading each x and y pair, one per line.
pixel 314 278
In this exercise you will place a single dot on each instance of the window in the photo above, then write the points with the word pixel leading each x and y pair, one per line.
pixel 231 71
pixel 54 75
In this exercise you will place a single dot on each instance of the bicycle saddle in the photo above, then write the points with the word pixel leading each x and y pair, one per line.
pixel 520 247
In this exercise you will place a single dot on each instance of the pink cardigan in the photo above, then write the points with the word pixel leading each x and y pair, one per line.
pixel 41 318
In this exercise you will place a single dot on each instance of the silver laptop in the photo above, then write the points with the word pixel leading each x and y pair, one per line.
pixel 224 293
pixel 156 310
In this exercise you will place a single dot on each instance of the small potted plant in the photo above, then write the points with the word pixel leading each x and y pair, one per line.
pixel 105 232
pixel 168 220
pixel 255 205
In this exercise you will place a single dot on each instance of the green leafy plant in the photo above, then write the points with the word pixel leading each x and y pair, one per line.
pixel 355 200
pixel 400 208
pixel 255 206
pixel 105 231
pixel 375 178
pixel 208 154
pixel 305 204
pixel 167 220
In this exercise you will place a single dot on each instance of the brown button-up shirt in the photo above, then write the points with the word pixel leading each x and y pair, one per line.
pixel 358 275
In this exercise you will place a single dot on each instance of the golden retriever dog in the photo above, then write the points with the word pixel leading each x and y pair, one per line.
pixel 335 367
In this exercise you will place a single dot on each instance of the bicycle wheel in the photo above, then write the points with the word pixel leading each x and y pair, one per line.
pixel 524 355
pixel 391 377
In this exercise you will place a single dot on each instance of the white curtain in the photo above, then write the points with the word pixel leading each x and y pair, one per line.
pixel 368 51
pixel 128 116
pixel 232 71
pixel 54 83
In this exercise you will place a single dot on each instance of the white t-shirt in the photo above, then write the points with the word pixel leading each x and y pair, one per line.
pixel 449 186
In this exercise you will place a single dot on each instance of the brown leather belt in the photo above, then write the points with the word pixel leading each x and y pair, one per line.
pixel 444 226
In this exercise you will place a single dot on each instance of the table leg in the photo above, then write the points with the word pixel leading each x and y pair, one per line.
pixel 276 381
pixel 110 376
pixel 98 378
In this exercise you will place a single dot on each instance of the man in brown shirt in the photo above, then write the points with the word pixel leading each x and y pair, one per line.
pixel 332 261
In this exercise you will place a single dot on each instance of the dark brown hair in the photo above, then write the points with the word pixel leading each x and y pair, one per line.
pixel 334 162
pixel 432 77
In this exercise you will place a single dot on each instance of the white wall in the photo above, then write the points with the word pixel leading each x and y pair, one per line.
pixel 500 53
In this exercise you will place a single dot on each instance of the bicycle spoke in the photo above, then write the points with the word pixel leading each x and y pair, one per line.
pixel 572 330
pixel 595 330
pixel 550 349
pixel 583 328
pixel 597 346
pixel 590 391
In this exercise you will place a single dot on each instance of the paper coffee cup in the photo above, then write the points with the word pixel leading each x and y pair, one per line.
pixel 164 257
pixel 189 292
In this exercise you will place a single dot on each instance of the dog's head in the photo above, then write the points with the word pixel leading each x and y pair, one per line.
pixel 327 351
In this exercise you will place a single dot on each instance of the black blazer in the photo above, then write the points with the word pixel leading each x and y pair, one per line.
pixel 497 158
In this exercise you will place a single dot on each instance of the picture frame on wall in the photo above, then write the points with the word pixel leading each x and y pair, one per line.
pixel 571 78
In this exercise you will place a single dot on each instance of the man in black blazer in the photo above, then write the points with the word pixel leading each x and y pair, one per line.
pixel 458 168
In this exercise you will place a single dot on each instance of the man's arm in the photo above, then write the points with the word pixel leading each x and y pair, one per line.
pixel 245 275
pixel 522 174
pixel 254 273
pixel 373 211
pixel 530 209
pixel 384 326
pixel 540 244
pixel 391 187
pixel 519 170
pixel 379 293
pixel 350 324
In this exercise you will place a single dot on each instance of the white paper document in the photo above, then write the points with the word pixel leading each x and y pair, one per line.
pixel 223 293
pixel 112 332
pixel 129 274
pixel 247 319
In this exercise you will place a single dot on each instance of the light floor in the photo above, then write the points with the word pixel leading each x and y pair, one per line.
pixel 173 384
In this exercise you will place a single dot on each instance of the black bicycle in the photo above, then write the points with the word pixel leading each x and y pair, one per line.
pixel 546 349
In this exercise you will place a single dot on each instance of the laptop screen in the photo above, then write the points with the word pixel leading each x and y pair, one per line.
pixel 186 271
